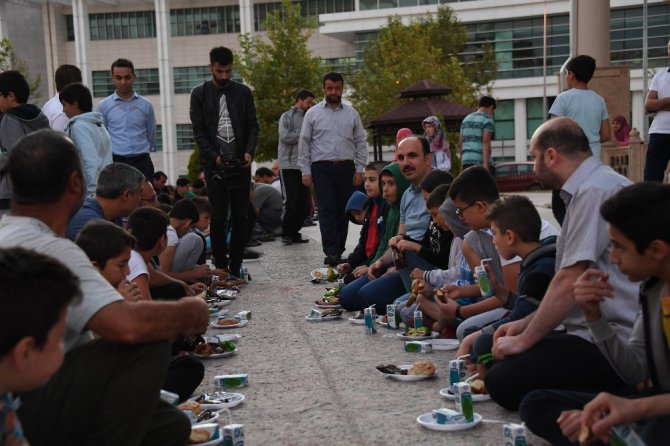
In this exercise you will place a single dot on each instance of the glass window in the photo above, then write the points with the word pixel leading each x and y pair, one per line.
pixel 69 26
pixel 102 84
pixel 185 139
pixel 504 120
pixel 310 9
pixel 186 78
pixel 535 115
pixel 159 138
pixel 146 84
pixel 503 171
pixel 122 25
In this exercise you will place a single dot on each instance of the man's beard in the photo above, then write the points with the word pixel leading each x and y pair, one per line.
pixel 333 99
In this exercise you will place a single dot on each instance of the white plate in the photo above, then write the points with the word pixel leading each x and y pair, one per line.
pixel 332 307
pixel 433 335
pixel 234 400
pixel 242 323
pixel 427 420
pixel 322 319
pixel 448 394
pixel 221 303
pixel 216 355
pixel 357 321
pixel 408 377
pixel 445 344
pixel 320 273
pixel 215 415
pixel 218 441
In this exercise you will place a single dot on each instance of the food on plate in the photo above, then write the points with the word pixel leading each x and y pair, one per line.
pixel 328 301
pixel 359 315
pixel 193 406
pixel 391 369
pixel 228 321
pixel 418 332
pixel 417 286
pixel 204 349
pixel 478 386
pixel 331 275
pixel 422 368
pixel 209 348
pixel 217 398
pixel 330 312
pixel 198 436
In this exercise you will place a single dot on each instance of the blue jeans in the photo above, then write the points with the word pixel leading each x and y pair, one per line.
pixel 362 293
pixel 333 185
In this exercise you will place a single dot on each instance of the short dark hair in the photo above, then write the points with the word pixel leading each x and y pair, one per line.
pixel 36 289
pixel 116 178
pixel 165 207
pixel 102 240
pixel 123 63
pixel 564 135
pixel 487 101
pixel 165 198
pixel 159 174
pixel 582 67
pixel 13 82
pixel 148 225
pixel 303 94
pixel 183 181
pixel 220 55
pixel 185 209
pixel 435 178
pixel 203 205
pixel 264 172
pixel 474 184
pixel 79 93
pixel 641 212
pixel 66 74
pixel 376 165
pixel 333 77
pixel 198 184
pixel 437 196
pixel 40 166
pixel 516 213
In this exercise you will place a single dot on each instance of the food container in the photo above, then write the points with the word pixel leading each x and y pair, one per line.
pixel 233 435
pixel 232 381
pixel 447 416
pixel 392 317
pixel 463 396
pixel 457 371
pixel 483 279
pixel 170 397
pixel 369 316
pixel 418 347
pixel 515 435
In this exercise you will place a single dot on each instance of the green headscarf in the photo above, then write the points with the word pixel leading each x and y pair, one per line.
pixel 393 216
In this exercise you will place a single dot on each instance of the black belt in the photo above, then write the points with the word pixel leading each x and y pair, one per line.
pixel 334 162
pixel 116 157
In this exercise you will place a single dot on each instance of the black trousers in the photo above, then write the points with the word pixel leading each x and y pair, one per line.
pixel 559 361
pixel 295 202
pixel 141 162
pixel 230 201
pixel 334 185
pixel 658 155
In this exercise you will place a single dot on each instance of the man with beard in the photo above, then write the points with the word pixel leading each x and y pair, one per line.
pixel 225 127
pixel 332 156
pixel 295 193
pixel 531 356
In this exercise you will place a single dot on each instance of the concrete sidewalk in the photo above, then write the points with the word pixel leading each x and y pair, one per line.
pixel 316 383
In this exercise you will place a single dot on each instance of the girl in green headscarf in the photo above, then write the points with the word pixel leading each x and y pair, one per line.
pixel 392 184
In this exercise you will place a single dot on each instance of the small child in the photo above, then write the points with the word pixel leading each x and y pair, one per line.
pixel 356 207
pixel 184 248
pixel 183 187
pixel 374 218
pixel 88 132
pixel 439 146
pixel 202 226
pixel 516 227
pixel 34 296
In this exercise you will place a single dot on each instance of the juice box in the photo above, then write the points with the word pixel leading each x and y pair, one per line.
pixel 232 381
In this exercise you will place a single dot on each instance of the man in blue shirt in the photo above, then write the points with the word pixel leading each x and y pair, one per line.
pixel 130 120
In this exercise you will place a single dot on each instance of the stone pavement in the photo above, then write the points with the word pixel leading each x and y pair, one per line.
pixel 315 383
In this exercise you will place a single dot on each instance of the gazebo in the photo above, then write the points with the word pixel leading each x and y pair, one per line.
pixel 424 99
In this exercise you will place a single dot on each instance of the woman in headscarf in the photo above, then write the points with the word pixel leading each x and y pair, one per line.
pixel 621 130
pixel 439 146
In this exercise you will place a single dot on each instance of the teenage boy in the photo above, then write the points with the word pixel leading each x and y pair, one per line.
pixel 184 248
pixel 516 226
pixel 34 296
pixel 584 106
pixel 638 218
pixel 19 118
pixel 474 139
pixel 87 131
pixel 376 208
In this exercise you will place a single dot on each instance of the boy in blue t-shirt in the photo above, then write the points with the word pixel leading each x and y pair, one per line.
pixel 34 296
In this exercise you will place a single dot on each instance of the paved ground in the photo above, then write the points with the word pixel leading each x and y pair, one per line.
pixel 316 383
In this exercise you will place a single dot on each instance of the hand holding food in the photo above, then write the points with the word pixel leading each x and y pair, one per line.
pixel 417 286
pixel 590 293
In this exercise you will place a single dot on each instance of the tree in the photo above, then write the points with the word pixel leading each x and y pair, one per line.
pixel 10 61
pixel 426 48
pixel 277 69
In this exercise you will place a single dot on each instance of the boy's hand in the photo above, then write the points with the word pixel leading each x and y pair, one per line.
pixel 590 293
pixel 375 270
pixel 360 271
pixel 605 411
pixel 129 290
pixel 452 291
pixel 405 245
pixel 570 423
pixel 200 273
pixel 343 268
pixel 393 241
pixel 417 273
pixel 198 288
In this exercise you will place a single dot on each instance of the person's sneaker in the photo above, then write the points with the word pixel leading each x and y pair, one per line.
pixel 253 243
pixel 299 239
pixel 286 240
pixel 332 260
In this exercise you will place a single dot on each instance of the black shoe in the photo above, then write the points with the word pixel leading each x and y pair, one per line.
pixel 308 222
pixel 286 240
pixel 299 239
pixel 253 243
pixel 332 260
pixel 249 254
pixel 267 238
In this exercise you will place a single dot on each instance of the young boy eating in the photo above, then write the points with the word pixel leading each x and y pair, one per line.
pixel 34 296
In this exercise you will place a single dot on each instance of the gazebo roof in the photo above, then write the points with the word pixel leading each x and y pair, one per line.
pixel 415 111
pixel 425 89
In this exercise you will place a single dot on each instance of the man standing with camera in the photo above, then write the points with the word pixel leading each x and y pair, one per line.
pixel 225 128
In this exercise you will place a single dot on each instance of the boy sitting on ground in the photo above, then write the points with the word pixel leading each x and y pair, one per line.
pixel 34 296
pixel 516 225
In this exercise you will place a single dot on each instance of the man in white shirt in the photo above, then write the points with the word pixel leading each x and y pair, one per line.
pixel 53 109
pixel 658 150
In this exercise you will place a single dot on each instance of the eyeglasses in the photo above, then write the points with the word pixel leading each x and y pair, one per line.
pixel 459 212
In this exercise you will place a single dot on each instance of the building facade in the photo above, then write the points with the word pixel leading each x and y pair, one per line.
pixel 515 28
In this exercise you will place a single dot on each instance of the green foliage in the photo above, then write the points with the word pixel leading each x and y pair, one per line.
pixel 194 164
pixel 426 48
pixel 10 61
pixel 277 68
